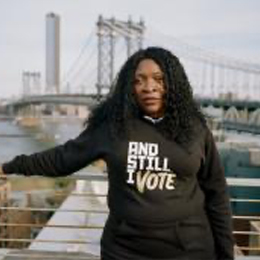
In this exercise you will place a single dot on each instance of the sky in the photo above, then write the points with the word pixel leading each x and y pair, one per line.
pixel 228 27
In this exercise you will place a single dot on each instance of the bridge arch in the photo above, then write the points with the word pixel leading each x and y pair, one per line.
pixel 255 117
pixel 232 115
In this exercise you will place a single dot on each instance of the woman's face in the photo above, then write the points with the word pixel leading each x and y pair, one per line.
pixel 149 88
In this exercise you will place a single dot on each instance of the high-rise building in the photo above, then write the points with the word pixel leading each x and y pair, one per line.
pixel 52 53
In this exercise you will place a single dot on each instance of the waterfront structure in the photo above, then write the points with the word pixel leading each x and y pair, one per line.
pixel 52 53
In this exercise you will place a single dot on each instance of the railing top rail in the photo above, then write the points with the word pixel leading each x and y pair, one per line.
pixel 82 175
pixel 245 182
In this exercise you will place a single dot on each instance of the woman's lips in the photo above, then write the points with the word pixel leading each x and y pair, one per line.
pixel 150 100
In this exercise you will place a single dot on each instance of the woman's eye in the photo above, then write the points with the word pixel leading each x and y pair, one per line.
pixel 137 81
pixel 159 79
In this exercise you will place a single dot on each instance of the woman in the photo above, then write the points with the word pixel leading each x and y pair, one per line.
pixel 167 191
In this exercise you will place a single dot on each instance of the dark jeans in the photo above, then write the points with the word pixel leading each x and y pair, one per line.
pixel 188 239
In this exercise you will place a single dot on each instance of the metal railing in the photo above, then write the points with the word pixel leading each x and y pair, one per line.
pixel 247 240
pixel 75 225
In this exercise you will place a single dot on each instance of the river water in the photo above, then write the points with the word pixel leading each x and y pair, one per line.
pixel 16 139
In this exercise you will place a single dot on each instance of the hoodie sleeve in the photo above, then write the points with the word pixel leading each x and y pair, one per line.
pixel 61 160
pixel 213 183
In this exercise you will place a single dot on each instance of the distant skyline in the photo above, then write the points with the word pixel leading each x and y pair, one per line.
pixel 226 27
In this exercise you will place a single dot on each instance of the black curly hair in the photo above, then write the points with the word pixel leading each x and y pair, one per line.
pixel 120 105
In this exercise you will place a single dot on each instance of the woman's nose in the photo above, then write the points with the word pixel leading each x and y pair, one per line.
pixel 150 85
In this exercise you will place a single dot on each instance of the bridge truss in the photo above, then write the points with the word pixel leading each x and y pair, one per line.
pixel 108 32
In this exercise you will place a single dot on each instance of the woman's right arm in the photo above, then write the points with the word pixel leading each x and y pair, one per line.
pixel 61 160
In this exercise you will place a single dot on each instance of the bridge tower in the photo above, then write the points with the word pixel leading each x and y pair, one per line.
pixel 108 32
pixel 31 82
pixel 52 54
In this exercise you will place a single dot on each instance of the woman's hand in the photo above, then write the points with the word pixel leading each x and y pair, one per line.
pixel 2 174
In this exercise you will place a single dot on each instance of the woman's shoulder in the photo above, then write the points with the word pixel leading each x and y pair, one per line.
pixel 200 128
pixel 98 130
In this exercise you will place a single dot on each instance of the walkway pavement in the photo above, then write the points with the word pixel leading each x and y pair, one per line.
pixel 25 254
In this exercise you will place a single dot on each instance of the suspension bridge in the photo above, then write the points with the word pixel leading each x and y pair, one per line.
pixel 229 84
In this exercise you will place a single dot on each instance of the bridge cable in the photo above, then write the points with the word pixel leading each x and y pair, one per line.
pixel 81 53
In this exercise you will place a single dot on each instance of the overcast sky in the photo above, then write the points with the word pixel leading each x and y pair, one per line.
pixel 229 27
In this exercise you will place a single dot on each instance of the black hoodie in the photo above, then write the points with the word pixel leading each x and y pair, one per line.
pixel 152 180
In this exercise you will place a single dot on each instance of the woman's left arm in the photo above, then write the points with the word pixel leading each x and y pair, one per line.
pixel 213 183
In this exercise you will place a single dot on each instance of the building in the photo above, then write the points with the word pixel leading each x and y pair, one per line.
pixel 52 53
